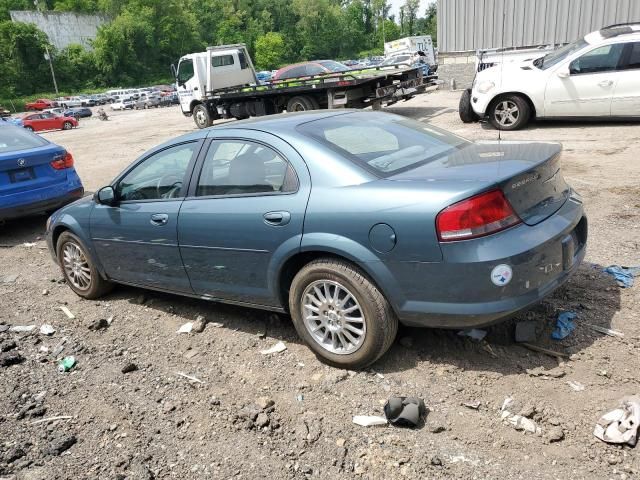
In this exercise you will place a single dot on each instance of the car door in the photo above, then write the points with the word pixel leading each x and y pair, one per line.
pixel 588 88
pixel 36 122
pixel 626 95
pixel 243 216
pixel 49 121
pixel 136 239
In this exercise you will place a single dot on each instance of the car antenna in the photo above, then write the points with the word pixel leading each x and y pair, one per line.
pixel 504 15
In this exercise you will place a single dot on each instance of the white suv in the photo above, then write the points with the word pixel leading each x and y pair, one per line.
pixel 597 76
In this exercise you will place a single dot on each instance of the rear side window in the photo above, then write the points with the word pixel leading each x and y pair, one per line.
pixel 13 139
pixel 222 61
pixel 634 57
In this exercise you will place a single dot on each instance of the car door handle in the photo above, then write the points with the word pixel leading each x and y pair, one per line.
pixel 606 83
pixel 159 219
pixel 277 218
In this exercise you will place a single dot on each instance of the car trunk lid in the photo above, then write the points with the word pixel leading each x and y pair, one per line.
pixel 30 169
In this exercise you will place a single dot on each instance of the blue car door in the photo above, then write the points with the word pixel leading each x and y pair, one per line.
pixel 136 239
pixel 243 216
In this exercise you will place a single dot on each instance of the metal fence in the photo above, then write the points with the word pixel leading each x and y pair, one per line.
pixel 465 25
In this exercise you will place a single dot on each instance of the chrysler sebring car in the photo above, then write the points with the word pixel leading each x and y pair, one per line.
pixel 349 221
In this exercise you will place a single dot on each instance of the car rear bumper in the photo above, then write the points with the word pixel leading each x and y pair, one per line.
pixel 30 207
pixel 459 293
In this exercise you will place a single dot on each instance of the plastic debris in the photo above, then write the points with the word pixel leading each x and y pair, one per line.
pixel 29 244
pixel 519 422
pixel 22 328
pixel 67 312
pixel 506 404
pixel 607 331
pixel 47 329
pixel 576 386
pixel 189 377
pixel 474 334
pixel 405 411
pixel 564 325
pixel 66 364
pixel 369 420
pixel 216 324
pixel 475 404
pixel 623 275
pixel 277 348
pixel 186 328
pixel 620 425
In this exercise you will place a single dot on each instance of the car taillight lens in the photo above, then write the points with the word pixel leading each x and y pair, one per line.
pixel 63 161
pixel 475 217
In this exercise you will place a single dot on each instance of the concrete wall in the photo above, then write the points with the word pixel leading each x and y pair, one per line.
pixel 473 24
pixel 63 28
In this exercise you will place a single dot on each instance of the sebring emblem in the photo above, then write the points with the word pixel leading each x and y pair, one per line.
pixel 21 162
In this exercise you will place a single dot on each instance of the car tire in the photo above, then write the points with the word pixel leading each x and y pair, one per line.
pixel 509 112
pixel 29 128
pixel 302 103
pixel 467 115
pixel 67 126
pixel 201 116
pixel 356 294
pixel 79 270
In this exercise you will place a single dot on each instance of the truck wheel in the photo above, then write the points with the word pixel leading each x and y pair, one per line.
pixel 467 115
pixel 302 103
pixel 201 116
pixel 510 112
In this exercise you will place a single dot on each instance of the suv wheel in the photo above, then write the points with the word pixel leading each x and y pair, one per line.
pixel 340 314
pixel 510 112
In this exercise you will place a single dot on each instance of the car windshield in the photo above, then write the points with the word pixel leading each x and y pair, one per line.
pixel 558 55
pixel 395 60
pixel 333 66
pixel 383 144
pixel 13 139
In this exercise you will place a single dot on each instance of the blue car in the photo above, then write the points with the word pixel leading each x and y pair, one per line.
pixel 350 221
pixel 36 175
pixel 11 121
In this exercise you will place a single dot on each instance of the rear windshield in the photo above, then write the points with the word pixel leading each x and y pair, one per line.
pixel 333 66
pixel 14 138
pixel 381 143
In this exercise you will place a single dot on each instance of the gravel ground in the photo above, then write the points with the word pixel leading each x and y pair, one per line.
pixel 248 415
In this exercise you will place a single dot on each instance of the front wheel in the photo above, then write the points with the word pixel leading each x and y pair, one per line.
pixel 510 112
pixel 79 269
pixel 467 115
pixel 341 314
pixel 67 126
pixel 201 116
pixel 29 128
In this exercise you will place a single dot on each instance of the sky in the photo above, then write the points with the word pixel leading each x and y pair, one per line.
pixel 396 4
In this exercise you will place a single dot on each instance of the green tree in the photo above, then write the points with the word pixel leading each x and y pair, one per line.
pixel 270 51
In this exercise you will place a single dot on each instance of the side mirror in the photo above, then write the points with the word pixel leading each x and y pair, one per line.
pixel 105 196
pixel 563 72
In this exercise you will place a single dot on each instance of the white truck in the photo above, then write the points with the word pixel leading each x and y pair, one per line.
pixel 412 45
pixel 222 83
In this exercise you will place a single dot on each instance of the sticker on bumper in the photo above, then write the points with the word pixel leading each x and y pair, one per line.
pixel 501 275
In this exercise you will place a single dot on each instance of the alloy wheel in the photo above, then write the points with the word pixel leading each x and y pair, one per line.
pixel 76 266
pixel 506 113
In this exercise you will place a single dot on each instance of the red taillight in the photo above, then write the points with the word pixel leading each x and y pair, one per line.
pixel 475 217
pixel 63 161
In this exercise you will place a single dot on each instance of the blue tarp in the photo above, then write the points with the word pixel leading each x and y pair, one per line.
pixel 564 325
pixel 623 275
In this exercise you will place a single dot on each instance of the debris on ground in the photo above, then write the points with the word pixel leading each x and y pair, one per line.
pixel 216 324
pixel 200 324
pixel 623 275
pixel 67 312
pixel 47 329
pixel 606 331
pixel 22 328
pixel 100 324
pixel 576 386
pixel 66 364
pixel 526 331
pixel 10 358
pixel 541 372
pixel 129 367
pixel 186 328
pixel 405 411
pixel 519 422
pixel 620 425
pixel 52 419
pixel 546 351
pixel 369 420
pixel 277 348
pixel 475 404
pixel 564 325
pixel 61 444
pixel 29 244
pixel 554 434
pixel 474 334
pixel 189 377
pixel 9 278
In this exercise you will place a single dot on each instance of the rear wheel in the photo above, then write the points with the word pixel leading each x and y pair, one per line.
pixel 302 103
pixel 201 116
pixel 467 115
pixel 79 269
pixel 29 128
pixel 340 314
pixel 67 126
pixel 510 112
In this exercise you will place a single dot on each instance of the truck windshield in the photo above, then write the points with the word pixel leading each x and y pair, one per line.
pixel 558 55
pixel 383 144
pixel 185 70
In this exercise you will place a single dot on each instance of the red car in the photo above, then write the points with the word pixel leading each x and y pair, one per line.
pixel 48 121
pixel 41 104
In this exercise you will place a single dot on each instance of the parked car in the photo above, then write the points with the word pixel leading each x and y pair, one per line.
pixel 55 111
pixel 307 69
pixel 147 101
pixel 78 112
pixel 71 102
pixel 48 121
pixel 17 122
pixel 123 104
pixel 595 77
pixel 350 221
pixel 40 104
pixel 35 175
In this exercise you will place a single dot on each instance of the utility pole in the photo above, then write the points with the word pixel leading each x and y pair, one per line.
pixel 47 56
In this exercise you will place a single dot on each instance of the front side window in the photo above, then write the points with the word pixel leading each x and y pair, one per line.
pixel 236 167
pixel 601 59
pixel 634 57
pixel 158 177
pixel 222 60
pixel 185 70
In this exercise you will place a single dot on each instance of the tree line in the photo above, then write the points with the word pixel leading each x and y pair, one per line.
pixel 145 36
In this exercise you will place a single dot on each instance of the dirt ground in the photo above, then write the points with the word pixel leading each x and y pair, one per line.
pixel 287 415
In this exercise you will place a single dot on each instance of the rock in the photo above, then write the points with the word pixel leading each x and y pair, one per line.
pixel 262 420
pixel 61 444
pixel 264 402
pixel 436 461
pixel 100 324
pixel 436 423
pixel 200 324
pixel 9 278
pixel 10 358
pixel 554 421
pixel 129 367
pixel 406 342
pixel 45 292
pixel 4 328
pixel 528 410
pixel 555 434
pixel 249 412
pixel 168 407
pixel 8 345
pixel 340 442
